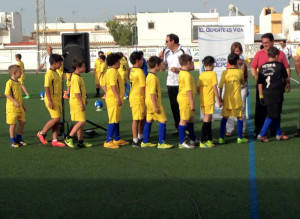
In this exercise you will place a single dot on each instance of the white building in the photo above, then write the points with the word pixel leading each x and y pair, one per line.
pixel 291 21
pixel 10 27
pixel 153 27
pixel 51 34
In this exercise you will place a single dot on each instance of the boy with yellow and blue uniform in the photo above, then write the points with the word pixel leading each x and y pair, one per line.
pixel 103 68
pixel 114 95
pixel 124 72
pixel 137 97
pixel 207 89
pixel 185 99
pixel 97 73
pixel 155 110
pixel 53 103
pixel 78 104
pixel 232 78
pixel 22 78
pixel 15 108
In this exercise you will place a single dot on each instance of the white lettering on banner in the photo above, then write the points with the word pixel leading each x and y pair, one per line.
pixel 221 29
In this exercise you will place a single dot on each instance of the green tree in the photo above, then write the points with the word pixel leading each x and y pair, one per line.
pixel 123 33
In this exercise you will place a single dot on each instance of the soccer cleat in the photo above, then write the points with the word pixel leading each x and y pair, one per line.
pixel 57 144
pixel 125 97
pixel 136 144
pixel 69 142
pixel 202 145
pixel 84 145
pixel 42 138
pixel 282 137
pixel 148 144
pixel 22 143
pixel 262 139
pixel 210 144
pixel 111 145
pixel 241 140
pixel 185 145
pixel 164 146
pixel 15 145
pixel 194 143
pixel 221 141
pixel 26 97
pixel 121 142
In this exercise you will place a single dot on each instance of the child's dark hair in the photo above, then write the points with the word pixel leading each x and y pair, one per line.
pixel 112 59
pixel 184 59
pixel 273 52
pixel 55 58
pixel 77 63
pixel 233 59
pixel 135 56
pixel 208 61
pixel 103 57
pixel 101 52
pixel 120 54
pixel 18 56
pixel 153 61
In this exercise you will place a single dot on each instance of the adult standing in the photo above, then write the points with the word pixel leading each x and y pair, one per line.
pixel 170 56
pixel 286 50
pixel 297 67
pixel 260 58
pixel 45 60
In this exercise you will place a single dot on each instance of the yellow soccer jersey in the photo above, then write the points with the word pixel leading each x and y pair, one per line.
pixel 152 87
pixel 124 69
pixel 206 81
pixel 60 71
pixel 112 78
pixel 53 81
pixel 298 51
pixel 186 83
pixel 232 79
pixel 97 66
pixel 22 77
pixel 77 87
pixel 103 67
pixel 13 88
pixel 137 81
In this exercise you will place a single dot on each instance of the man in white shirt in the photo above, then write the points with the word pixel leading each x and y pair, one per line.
pixel 287 51
pixel 45 60
pixel 170 56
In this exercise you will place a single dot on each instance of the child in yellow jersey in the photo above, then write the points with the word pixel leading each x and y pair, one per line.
pixel 233 79
pixel 137 97
pixel 103 68
pixel 22 78
pixel 53 104
pixel 78 104
pixel 124 72
pixel 185 99
pixel 114 86
pixel 155 110
pixel 207 89
pixel 97 73
pixel 15 108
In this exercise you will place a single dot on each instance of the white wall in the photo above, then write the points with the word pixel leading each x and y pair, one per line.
pixel 265 23
pixel 13 33
pixel 288 21
pixel 178 23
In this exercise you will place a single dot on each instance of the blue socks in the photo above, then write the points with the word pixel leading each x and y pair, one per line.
pixel 223 127
pixel 127 89
pixel 18 138
pixel 12 140
pixel 147 130
pixel 240 128
pixel 264 129
pixel 277 127
pixel 190 128
pixel 161 133
pixel 117 131
pixel 181 131
pixel 109 132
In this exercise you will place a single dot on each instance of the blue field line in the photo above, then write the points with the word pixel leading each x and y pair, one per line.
pixel 252 168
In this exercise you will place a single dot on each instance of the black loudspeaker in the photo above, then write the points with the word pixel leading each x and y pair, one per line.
pixel 75 45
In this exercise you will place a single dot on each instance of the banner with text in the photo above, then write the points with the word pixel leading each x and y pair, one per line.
pixel 216 40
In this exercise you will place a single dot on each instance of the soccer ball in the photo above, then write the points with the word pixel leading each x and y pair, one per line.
pixel 42 95
pixel 98 105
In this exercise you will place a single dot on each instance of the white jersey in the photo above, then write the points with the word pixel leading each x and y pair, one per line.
pixel 171 59
pixel 287 52
pixel 46 61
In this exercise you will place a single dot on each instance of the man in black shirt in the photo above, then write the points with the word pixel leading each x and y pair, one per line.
pixel 272 82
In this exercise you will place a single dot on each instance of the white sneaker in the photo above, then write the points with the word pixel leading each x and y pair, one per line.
pixel 185 145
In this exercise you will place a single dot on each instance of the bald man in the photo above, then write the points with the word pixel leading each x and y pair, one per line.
pixel 45 60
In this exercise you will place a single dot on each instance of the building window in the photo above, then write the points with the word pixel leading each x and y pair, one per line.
pixel 297 26
pixel 195 33
pixel 150 25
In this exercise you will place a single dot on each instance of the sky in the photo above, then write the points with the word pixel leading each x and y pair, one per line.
pixel 101 11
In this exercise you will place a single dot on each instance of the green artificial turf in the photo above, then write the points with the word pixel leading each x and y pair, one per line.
pixel 39 181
